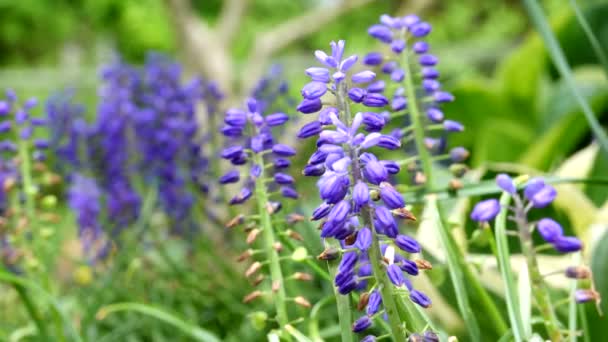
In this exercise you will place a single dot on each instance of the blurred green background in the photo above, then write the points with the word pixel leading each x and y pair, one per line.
pixel 518 113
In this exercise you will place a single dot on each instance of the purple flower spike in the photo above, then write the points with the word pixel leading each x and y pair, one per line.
pixel 361 324
pixel 373 59
pixel 485 211
pixel 308 106
pixel 360 195
pixel 395 275
pixel 543 197
pixel 375 173
pixel 314 90
pixel 363 77
pixel 407 244
pixel 506 183
pixel 375 100
pixel 420 298
pixel 381 32
pixel 318 74
pixel 549 230
pixel 567 244
pixel 453 126
pixel 348 262
pixel 364 239
pixel 373 303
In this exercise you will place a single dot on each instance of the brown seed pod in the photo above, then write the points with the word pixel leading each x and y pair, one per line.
pixel 253 235
pixel 363 300
pixel 253 268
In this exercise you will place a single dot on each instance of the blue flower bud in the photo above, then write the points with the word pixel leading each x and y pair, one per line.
pixel 369 338
pixel 374 172
pixel 420 47
pixel 281 163
pixel 391 197
pixel 442 96
pixel 373 59
pixel 375 100
pixel 343 278
pixel 567 244
pixel 276 119
pixel 409 267
pixel 385 221
pixel 429 73
pixel 364 239
pixel 283 150
pixel 420 29
pixel 317 157
pixel 325 59
pixel 318 74
pixel 459 154
pixel 543 197
pixel 430 336
pixel 420 298
pixel 334 188
pixel 314 90
pixel 230 177
pixel 357 94
pixel 243 196
pixel 549 230
pixel 314 170
pixel 321 211
pixel 235 117
pixel 348 262
pixel 410 20
pixel 388 67
pixel 339 213
pixel 388 142
pixel 308 106
pixel 310 129
pixel 390 166
pixel 428 60
pixel 373 122
pixel 288 192
pixel 397 45
pixel 586 295
pixel 373 303
pixel 376 87
pixel 347 63
pixel 347 287
pixel 5 126
pixel 407 244
pixel 453 126
pixel 282 178
pixel 5 107
pixel 506 183
pixel 381 32
pixel 363 77
pixel 361 324
pixel 397 75
pixel 399 103
pixel 395 275
pixel 485 211
pixel 232 131
pixel 360 195
pixel 26 132
pixel 41 144
pixel 231 152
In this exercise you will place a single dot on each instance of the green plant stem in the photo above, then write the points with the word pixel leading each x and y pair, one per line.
pixel 276 275
pixel 555 51
pixel 32 310
pixel 455 265
pixel 595 44
pixel 539 289
pixel 342 301
pixel 503 259
pixel 386 287
pixel 572 309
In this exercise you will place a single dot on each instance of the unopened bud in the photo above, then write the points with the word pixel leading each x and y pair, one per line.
pixel 351 239
pixel 415 338
pixel 8 184
pixel 455 184
pixel 49 202
pixel 430 336
pixel 458 170
pixel 329 254
pixel 277 246
pixel 419 178
pixel 258 280
pixel 253 269
pixel 578 272
pixel 253 235
pixel 374 195
pixel 412 167
pixel 294 218
pixel 252 296
pixel 302 276
pixel 258 320
pixel 584 296
pixel 250 226
pixel 294 235
pixel 276 285
pixel 273 207
pixel 235 221
pixel 299 254
pixel 363 300
pixel 424 264
pixel 302 301
pixel 405 214
pixel 245 255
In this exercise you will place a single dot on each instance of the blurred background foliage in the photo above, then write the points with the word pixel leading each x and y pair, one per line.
pixel 518 114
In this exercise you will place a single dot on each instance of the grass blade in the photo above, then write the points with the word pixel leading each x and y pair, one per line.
pixel 503 258
pixel 573 305
pixel 595 44
pixel 524 290
pixel 555 51
pixel 187 328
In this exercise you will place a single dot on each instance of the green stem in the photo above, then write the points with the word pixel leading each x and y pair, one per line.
pixel 539 289
pixel 32 311
pixel 342 301
pixel 595 44
pixel 572 309
pixel 276 275
pixel 503 259
pixel 380 275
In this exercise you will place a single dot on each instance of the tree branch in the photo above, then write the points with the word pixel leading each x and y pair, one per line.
pixel 230 19
pixel 267 43
pixel 201 44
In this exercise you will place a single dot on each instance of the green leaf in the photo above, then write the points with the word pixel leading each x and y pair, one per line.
pixel 524 290
pixel 187 328
pixel 595 44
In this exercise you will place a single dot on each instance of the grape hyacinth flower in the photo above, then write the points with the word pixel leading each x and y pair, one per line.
pixel 260 171
pixel 536 194
pixel 366 226
pixel 418 95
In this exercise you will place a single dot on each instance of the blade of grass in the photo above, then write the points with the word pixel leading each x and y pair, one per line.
pixel 555 51
pixel 503 258
pixel 572 306
pixel 187 328
pixel 595 44
pixel 296 334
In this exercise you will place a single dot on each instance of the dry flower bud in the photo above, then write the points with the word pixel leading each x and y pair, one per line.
pixel 253 269
pixel 424 264
pixel 404 214
pixel 245 255
pixel 253 234
pixel 295 218
pixel 302 301
pixel 302 276
pixel 294 235
pixel 329 254
pixel 276 285
pixel 455 184
pixel 235 221
pixel 578 272
pixel 363 301
pixel 277 246
pixel 252 296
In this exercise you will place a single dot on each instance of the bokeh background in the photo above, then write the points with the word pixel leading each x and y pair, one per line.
pixel 519 117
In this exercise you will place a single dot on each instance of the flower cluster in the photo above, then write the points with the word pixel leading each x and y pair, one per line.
pixel 417 94
pixel 259 142
pixel 360 206
pixel 536 194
